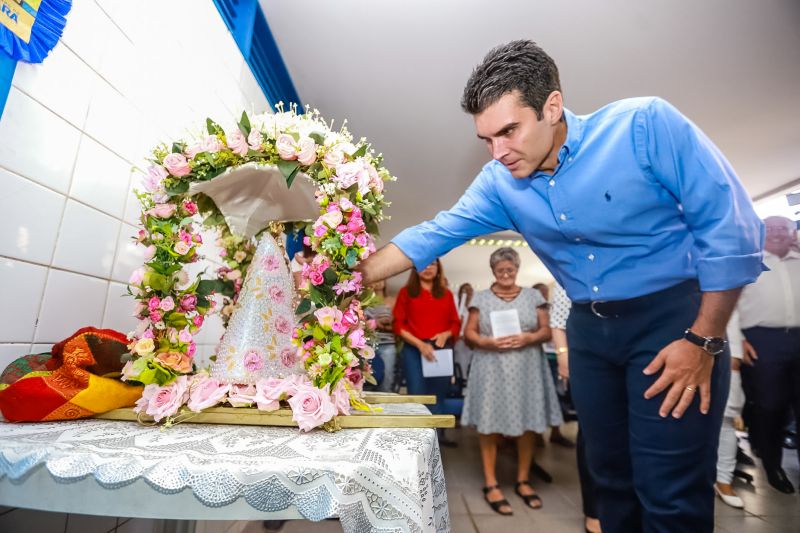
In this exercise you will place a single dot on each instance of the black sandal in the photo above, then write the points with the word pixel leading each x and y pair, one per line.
pixel 496 506
pixel 528 498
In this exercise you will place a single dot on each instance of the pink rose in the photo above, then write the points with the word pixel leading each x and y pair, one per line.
pixel 136 276
pixel 285 146
pixel 177 165
pixel 255 139
pixel 212 144
pixel 206 392
pixel 355 377
pixel 167 304
pixel 191 349
pixel 347 174
pixel 253 361
pixel 190 207
pixel 165 401
pixel 288 356
pixel 193 150
pixel 155 316
pixel 188 302
pixel 271 263
pixel 348 239
pixel 154 178
pixel 316 278
pixel 362 240
pixel 341 398
pixel 178 361
pixel 308 151
pixel 181 248
pixel 185 336
pixel 163 210
pixel 149 252
pixel 283 325
pixel 197 321
pixel 334 158
pixel 319 229
pixel 237 142
pixel 346 204
pixel 242 395
pixel 153 303
pixel 233 275
pixel 268 392
pixel 311 407
pixel 367 352
pixel 276 293
pixel 327 316
pixel 357 339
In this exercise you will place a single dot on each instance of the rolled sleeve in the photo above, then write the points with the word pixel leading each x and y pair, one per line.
pixel 478 212
pixel 728 235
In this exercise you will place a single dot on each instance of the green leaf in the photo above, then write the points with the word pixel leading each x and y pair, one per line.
pixel 176 320
pixel 207 286
pixel 304 307
pixel 178 148
pixel 318 137
pixel 288 168
pixel 351 258
pixel 291 177
pixel 318 333
pixel 213 220
pixel 330 276
pixel 212 127
pixel 180 187
pixel 361 152
pixel 336 344
pixel 244 124
pixel 184 221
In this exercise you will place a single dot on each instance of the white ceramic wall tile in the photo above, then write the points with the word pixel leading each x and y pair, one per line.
pixel 22 286
pixel 71 301
pixel 132 206
pixel 42 348
pixel 81 523
pixel 130 255
pixel 100 178
pixel 8 354
pixel 87 241
pixel 119 309
pixel 120 63
pixel 45 83
pixel 86 31
pixel 32 214
pixel 26 520
pixel 253 95
pixel 113 121
pixel 36 143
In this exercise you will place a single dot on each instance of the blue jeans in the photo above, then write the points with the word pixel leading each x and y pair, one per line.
pixel 653 474
pixel 417 384
pixel 388 354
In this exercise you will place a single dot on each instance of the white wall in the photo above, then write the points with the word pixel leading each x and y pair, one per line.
pixel 125 76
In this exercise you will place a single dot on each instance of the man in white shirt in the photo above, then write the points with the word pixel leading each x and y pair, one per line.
pixel 769 312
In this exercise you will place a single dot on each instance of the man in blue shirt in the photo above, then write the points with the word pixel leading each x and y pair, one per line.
pixel 645 224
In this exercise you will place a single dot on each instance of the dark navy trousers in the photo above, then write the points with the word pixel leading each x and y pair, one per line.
pixel 652 474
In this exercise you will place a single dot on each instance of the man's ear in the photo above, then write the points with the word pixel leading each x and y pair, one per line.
pixel 553 108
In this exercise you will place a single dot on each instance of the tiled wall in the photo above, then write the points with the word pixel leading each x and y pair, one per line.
pixel 125 76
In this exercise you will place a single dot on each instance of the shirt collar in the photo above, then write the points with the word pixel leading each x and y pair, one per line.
pixel 574 133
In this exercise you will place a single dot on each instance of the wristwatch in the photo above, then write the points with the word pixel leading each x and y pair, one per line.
pixel 712 345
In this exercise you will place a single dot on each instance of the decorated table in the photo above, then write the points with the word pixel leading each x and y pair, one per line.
pixel 373 480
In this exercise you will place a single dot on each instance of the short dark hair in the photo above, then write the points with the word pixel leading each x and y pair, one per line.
pixel 517 66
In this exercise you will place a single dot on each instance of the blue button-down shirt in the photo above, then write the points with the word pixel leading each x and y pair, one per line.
pixel 640 200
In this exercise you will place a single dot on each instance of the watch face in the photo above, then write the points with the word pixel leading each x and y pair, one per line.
pixel 715 345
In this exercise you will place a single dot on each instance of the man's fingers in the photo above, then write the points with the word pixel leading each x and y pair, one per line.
pixel 655 365
pixel 661 383
pixel 686 400
pixel 672 398
pixel 705 397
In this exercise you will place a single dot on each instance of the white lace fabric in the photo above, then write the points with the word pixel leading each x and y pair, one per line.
pixel 374 480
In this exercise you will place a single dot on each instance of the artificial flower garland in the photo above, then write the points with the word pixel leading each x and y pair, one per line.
pixel 333 338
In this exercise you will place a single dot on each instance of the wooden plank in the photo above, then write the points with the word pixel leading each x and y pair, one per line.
pixel 388 397
pixel 283 417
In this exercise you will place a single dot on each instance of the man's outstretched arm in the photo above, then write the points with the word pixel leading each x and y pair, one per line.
pixel 384 263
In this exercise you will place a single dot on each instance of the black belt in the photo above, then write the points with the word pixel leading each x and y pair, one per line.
pixel 619 308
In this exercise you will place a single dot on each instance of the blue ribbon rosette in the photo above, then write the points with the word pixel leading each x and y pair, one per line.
pixel 29 29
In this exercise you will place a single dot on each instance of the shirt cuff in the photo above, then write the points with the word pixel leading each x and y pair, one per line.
pixel 415 246
pixel 731 272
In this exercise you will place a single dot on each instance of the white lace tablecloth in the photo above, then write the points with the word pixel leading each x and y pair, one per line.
pixel 374 480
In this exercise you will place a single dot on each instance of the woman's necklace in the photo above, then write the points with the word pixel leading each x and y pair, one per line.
pixel 507 295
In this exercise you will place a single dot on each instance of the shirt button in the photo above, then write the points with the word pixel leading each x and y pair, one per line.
pixel 562 216
pixel 591 257
pixel 552 183
pixel 577 239
pixel 595 288
pixel 569 159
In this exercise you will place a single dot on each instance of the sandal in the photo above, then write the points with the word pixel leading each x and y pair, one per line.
pixel 528 498
pixel 499 504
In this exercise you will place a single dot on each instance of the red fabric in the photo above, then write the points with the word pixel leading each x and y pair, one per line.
pixel 426 316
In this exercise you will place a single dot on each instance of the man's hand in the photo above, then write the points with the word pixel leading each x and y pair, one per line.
pixel 749 355
pixel 686 367
pixel 426 350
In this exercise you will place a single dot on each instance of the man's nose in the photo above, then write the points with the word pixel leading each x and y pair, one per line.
pixel 499 149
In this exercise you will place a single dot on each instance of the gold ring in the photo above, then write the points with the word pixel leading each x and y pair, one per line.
pixel 690 389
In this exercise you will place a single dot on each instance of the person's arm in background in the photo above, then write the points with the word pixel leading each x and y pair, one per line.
pixel 478 212
pixel 559 313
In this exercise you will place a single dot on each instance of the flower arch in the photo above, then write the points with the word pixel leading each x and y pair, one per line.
pixel 332 338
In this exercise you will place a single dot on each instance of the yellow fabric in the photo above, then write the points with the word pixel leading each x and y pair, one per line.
pixel 104 394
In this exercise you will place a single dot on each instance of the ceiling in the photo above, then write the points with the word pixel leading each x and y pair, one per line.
pixel 396 68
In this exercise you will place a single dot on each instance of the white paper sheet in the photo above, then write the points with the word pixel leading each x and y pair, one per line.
pixel 505 323
pixel 442 366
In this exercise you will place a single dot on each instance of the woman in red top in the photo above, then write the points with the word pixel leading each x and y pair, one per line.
pixel 425 317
